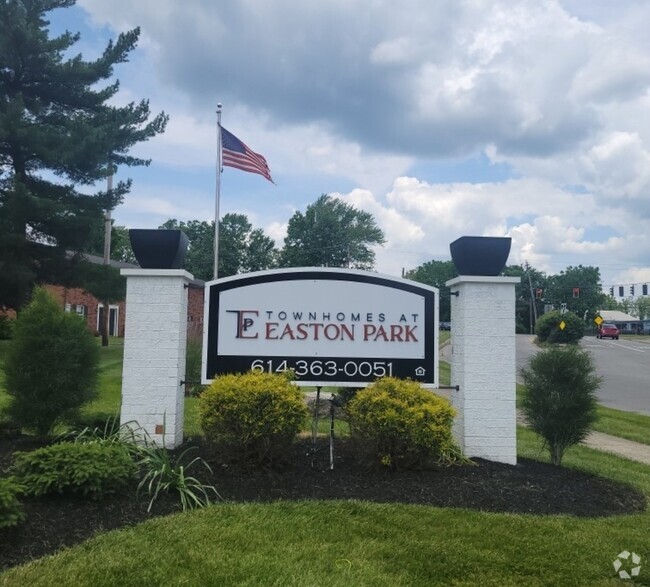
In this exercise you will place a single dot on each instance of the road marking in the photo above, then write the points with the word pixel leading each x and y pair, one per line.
pixel 616 343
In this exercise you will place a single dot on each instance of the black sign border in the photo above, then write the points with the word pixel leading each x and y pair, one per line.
pixel 216 287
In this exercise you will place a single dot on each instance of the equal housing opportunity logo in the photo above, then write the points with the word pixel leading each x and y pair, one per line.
pixel 627 564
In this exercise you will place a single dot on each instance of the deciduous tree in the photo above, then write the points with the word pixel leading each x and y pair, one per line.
pixel 241 247
pixel 579 288
pixel 436 273
pixel 331 233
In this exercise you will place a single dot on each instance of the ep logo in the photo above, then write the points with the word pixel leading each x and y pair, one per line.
pixel 244 322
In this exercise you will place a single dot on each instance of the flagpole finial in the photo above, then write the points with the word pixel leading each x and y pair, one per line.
pixel 219 106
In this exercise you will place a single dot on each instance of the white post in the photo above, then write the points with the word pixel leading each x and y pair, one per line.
pixel 483 366
pixel 154 352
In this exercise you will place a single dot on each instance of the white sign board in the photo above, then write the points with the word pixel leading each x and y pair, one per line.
pixel 331 326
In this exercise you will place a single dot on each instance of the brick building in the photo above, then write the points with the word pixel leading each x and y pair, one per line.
pixel 78 300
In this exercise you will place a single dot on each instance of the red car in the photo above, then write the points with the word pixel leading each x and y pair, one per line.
pixel 608 331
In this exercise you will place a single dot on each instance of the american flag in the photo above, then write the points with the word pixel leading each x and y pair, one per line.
pixel 236 154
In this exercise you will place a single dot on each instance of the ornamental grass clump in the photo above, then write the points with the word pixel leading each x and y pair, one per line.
pixel 253 416
pixel 560 397
pixel 400 425
pixel 165 474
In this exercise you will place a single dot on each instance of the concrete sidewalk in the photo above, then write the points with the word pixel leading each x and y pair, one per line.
pixel 621 447
pixel 628 449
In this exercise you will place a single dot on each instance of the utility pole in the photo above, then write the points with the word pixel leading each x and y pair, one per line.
pixel 532 297
pixel 107 261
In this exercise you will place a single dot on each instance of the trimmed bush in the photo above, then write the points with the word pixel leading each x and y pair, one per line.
pixel 51 365
pixel 6 327
pixel 253 416
pixel 160 471
pixel 548 328
pixel 400 425
pixel 89 468
pixel 11 513
pixel 560 397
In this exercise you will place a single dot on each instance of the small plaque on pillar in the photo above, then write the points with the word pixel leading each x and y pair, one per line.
pixel 160 429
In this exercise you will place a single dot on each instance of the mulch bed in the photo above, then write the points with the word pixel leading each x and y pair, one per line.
pixel 530 487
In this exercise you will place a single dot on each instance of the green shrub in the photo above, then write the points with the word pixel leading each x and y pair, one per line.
pixel 548 328
pixel 402 425
pixel 11 513
pixel 254 416
pixel 559 400
pixel 6 327
pixel 51 365
pixel 130 436
pixel 87 468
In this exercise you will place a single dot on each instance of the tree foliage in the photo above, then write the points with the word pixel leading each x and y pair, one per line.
pixel 527 303
pixel 60 134
pixel 242 248
pixel 102 281
pixel 51 365
pixel 331 233
pixel 120 243
pixel 436 273
pixel 548 327
pixel 580 288
pixel 560 401
pixel 639 307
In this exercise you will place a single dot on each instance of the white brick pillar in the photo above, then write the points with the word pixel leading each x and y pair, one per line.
pixel 483 366
pixel 155 342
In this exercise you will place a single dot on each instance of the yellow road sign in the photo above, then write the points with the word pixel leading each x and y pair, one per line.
pixel 562 325
pixel 598 320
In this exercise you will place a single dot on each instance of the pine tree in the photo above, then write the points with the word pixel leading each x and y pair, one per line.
pixel 59 138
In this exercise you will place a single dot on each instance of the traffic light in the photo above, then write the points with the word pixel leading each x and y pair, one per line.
pixel 632 290
pixel 611 291
pixel 576 292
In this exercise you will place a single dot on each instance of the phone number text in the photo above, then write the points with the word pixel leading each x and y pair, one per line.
pixel 331 369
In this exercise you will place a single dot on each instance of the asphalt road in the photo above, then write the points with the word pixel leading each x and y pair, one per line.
pixel 624 366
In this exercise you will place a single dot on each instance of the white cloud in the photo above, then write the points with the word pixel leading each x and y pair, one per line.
pixel 420 220
pixel 362 97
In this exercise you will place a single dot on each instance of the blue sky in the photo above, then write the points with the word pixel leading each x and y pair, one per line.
pixel 519 118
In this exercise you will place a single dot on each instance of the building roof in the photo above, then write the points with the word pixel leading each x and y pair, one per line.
pixel 616 316
pixel 97 260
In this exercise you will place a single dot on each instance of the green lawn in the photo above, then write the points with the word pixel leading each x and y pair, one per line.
pixel 109 383
pixel 624 424
pixel 359 543
pixel 356 543
pixel 629 425
pixel 616 422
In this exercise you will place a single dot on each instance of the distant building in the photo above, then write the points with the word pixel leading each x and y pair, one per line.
pixel 79 301
pixel 627 324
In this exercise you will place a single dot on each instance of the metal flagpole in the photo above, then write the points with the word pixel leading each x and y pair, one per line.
pixel 217 196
